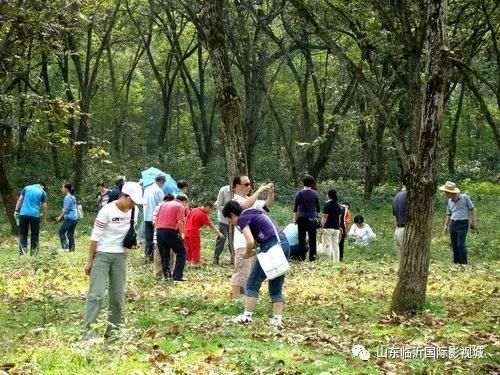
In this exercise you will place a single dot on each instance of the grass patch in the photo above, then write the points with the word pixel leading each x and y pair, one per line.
pixel 330 307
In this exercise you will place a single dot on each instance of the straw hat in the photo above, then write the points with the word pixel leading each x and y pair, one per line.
pixel 450 187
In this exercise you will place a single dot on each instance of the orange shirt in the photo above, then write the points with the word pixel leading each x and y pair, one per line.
pixel 347 216
pixel 169 214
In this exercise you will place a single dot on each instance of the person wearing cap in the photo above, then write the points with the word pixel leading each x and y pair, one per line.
pixel 460 212
pixel 107 259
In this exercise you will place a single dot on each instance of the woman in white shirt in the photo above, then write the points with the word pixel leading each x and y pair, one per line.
pixel 107 259
pixel 360 232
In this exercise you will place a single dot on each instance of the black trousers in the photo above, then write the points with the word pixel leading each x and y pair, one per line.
pixel 149 231
pixel 25 224
pixel 341 244
pixel 305 227
pixel 170 239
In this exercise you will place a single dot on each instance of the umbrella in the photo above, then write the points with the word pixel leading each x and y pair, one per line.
pixel 149 175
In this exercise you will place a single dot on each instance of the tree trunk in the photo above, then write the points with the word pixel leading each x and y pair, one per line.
pixel 9 197
pixel 422 163
pixel 53 148
pixel 227 97
pixel 373 145
pixel 81 145
pixel 452 148
pixel 288 145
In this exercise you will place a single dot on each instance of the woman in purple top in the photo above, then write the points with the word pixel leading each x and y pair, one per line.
pixel 258 229
pixel 306 209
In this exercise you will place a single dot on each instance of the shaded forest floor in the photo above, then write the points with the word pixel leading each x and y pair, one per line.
pixel 184 328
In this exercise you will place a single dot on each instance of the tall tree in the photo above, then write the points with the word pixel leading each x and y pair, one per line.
pixel 87 61
pixel 228 100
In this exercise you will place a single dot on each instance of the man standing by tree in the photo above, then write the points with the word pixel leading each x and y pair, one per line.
pixel 224 196
pixel 459 213
pixel 153 196
pixel 399 212
pixel 28 207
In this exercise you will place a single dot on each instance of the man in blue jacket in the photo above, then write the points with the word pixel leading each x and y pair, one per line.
pixel 28 209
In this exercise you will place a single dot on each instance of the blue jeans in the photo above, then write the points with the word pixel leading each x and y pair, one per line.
pixel 67 234
pixel 458 233
pixel 219 244
pixel 257 275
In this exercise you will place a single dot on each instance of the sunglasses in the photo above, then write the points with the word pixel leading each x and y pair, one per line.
pixel 247 184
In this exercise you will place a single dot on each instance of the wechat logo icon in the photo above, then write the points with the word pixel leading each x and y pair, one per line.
pixel 359 351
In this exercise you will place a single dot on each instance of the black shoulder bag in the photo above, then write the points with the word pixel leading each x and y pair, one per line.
pixel 130 240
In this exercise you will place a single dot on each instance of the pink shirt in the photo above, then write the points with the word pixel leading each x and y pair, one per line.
pixel 169 214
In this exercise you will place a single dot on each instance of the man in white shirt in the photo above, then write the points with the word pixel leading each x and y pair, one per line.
pixel 107 259
pixel 224 196
pixel 153 196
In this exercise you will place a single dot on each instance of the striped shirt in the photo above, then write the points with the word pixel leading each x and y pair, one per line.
pixel 111 227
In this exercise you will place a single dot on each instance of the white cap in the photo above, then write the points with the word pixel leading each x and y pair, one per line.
pixel 134 190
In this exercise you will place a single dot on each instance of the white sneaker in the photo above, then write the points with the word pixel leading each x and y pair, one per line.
pixel 242 319
pixel 274 322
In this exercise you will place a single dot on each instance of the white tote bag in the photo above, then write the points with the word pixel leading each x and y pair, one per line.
pixel 273 261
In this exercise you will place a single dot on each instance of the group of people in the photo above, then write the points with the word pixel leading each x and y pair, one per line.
pixel 243 222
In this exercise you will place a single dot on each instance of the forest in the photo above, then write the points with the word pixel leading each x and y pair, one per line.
pixel 357 94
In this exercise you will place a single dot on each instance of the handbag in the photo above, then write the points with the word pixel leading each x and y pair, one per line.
pixel 314 222
pixel 273 261
pixel 130 240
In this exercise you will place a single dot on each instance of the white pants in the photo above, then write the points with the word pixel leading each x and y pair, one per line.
pixel 331 239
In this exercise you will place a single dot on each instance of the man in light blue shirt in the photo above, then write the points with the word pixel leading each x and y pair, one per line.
pixel 459 213
pixel 153 196
pixel 28 209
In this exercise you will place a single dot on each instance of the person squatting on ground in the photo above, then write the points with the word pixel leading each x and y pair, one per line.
pixel 170 222
pixel 360 232
pixel 28 209
pixel 107 259
pixel 153 196
pixel 242 266
pixel 306 208
pixel 258 229
pixel 330 222
pixel 460 212
pixel 70 215
pixel 195 220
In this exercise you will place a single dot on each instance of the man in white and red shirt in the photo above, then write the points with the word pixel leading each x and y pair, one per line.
pixel 107 259
pixel 169 225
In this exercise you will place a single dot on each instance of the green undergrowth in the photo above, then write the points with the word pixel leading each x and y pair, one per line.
pixel 185 328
